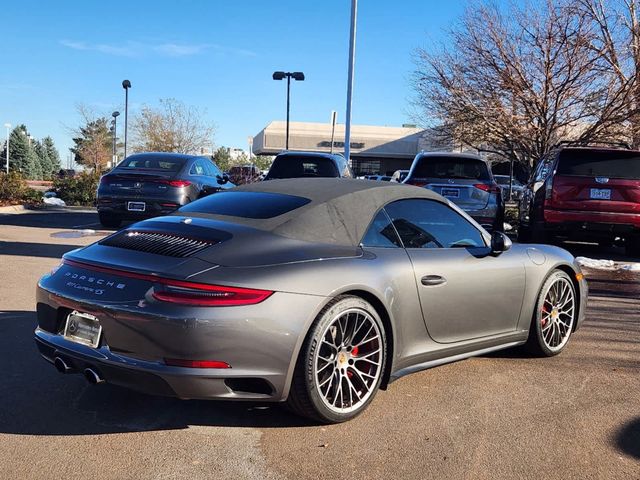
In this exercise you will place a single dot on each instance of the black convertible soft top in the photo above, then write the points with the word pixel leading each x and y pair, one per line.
pixel 338 212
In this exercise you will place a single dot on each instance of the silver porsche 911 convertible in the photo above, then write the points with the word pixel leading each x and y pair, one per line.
pixel 314 292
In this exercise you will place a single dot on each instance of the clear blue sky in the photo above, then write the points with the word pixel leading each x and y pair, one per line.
pixel 213 54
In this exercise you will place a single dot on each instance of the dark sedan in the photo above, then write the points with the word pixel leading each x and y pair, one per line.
pixel 149 184
pixel 291 164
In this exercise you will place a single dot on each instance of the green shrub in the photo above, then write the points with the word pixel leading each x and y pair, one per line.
pixel 12 187
pixel 79 189
pixel 32 196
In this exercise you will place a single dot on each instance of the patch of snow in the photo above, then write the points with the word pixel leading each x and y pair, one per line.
pixel 54 201
pixel 607 264
pixel 632 267
pixel 87 232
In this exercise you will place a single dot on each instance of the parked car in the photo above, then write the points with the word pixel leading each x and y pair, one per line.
pixel 464 179
pixel 316 292
pixel 292 164
pixel 399 176
pixel 149 184
pixel 378 178
pixel 516 186
pixel 589 194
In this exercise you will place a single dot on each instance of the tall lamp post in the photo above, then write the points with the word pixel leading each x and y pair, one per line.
pixel 7 126
pixel 126 84
pixel 299 76
pixel 352 61
pixel 115 136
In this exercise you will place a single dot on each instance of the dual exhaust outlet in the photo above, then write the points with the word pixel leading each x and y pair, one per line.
pixel 91 375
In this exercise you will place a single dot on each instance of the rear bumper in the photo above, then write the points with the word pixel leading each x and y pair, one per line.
pixel 117 206
pixel 591 224
pixel 258 341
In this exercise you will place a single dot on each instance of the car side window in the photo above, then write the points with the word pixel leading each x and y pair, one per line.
pixel 381 233
pixel 212 169
pixel 423 223
pixel 197 168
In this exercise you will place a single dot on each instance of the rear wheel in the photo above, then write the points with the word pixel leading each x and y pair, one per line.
pixel 554 317
pixel 341 362
pixel 109 220
pixel 632 247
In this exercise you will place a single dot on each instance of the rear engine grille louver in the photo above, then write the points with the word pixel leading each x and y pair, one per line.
pixel 167 244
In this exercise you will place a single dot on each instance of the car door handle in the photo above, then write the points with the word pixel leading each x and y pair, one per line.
pixel 432 280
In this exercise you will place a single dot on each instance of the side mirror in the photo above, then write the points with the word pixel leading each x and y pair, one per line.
pixel 500 242
pixel 223 179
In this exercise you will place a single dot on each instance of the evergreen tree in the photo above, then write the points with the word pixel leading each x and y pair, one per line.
pixel 34 167
pixel 222 159
pixel 43 159
pixel 18 150
pixel 52 155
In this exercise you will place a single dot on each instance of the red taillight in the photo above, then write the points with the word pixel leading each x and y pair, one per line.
pixel 188 293
pixel 178 362
pixel 176 183
pixel 209 295
pixel 494 188
pixel 417 183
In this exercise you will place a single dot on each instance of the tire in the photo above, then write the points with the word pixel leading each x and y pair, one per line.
pixel 632 247
pixel 354 359
pixel 551 329
pixel 108 220
pixel 524 234
pixel 539 234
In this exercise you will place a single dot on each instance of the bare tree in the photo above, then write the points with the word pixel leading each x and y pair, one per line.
pixel 517 82
pixel 172 127
pixel 617 39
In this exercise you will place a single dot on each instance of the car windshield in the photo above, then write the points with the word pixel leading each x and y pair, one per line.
pixel 600 163
pixel 152 163
pixel 451 167
pixel 259 205
pixel 291 166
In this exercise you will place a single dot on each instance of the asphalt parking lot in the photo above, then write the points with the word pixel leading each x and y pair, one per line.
pixel 500 416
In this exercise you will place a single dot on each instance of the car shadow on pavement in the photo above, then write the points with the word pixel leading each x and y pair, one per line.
pixel 628 438
pixel 27 249
pixel 37 400
pixel 50 219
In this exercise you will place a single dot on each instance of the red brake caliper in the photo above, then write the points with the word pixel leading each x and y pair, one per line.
pixel 543 322
pixel 354 353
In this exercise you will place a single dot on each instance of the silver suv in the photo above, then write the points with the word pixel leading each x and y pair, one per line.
pixel 464 179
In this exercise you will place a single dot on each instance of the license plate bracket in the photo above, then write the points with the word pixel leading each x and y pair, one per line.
pixel 83 328
pixel 451 192
pixel 136 206
pixel 600 194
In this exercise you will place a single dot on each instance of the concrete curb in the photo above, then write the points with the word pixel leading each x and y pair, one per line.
pixel 43 207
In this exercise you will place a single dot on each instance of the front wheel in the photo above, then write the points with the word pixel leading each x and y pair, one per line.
pixel 554 317
pixel 341 362
pixel 108 220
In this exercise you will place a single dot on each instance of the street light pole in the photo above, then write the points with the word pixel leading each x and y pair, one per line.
pixel 299 76
pixel 352 61
pixel 7 126
pixel 126 84
pixel 114 158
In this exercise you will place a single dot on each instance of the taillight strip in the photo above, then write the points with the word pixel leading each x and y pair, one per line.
pixel 250 296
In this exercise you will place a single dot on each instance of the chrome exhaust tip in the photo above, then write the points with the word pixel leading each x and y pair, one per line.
pixel 61 365
pixel 92 376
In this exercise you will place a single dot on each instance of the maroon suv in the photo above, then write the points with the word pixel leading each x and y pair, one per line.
pixel 590 194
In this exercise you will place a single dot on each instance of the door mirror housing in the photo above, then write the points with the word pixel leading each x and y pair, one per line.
pixel 500 243
pixel 222 179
